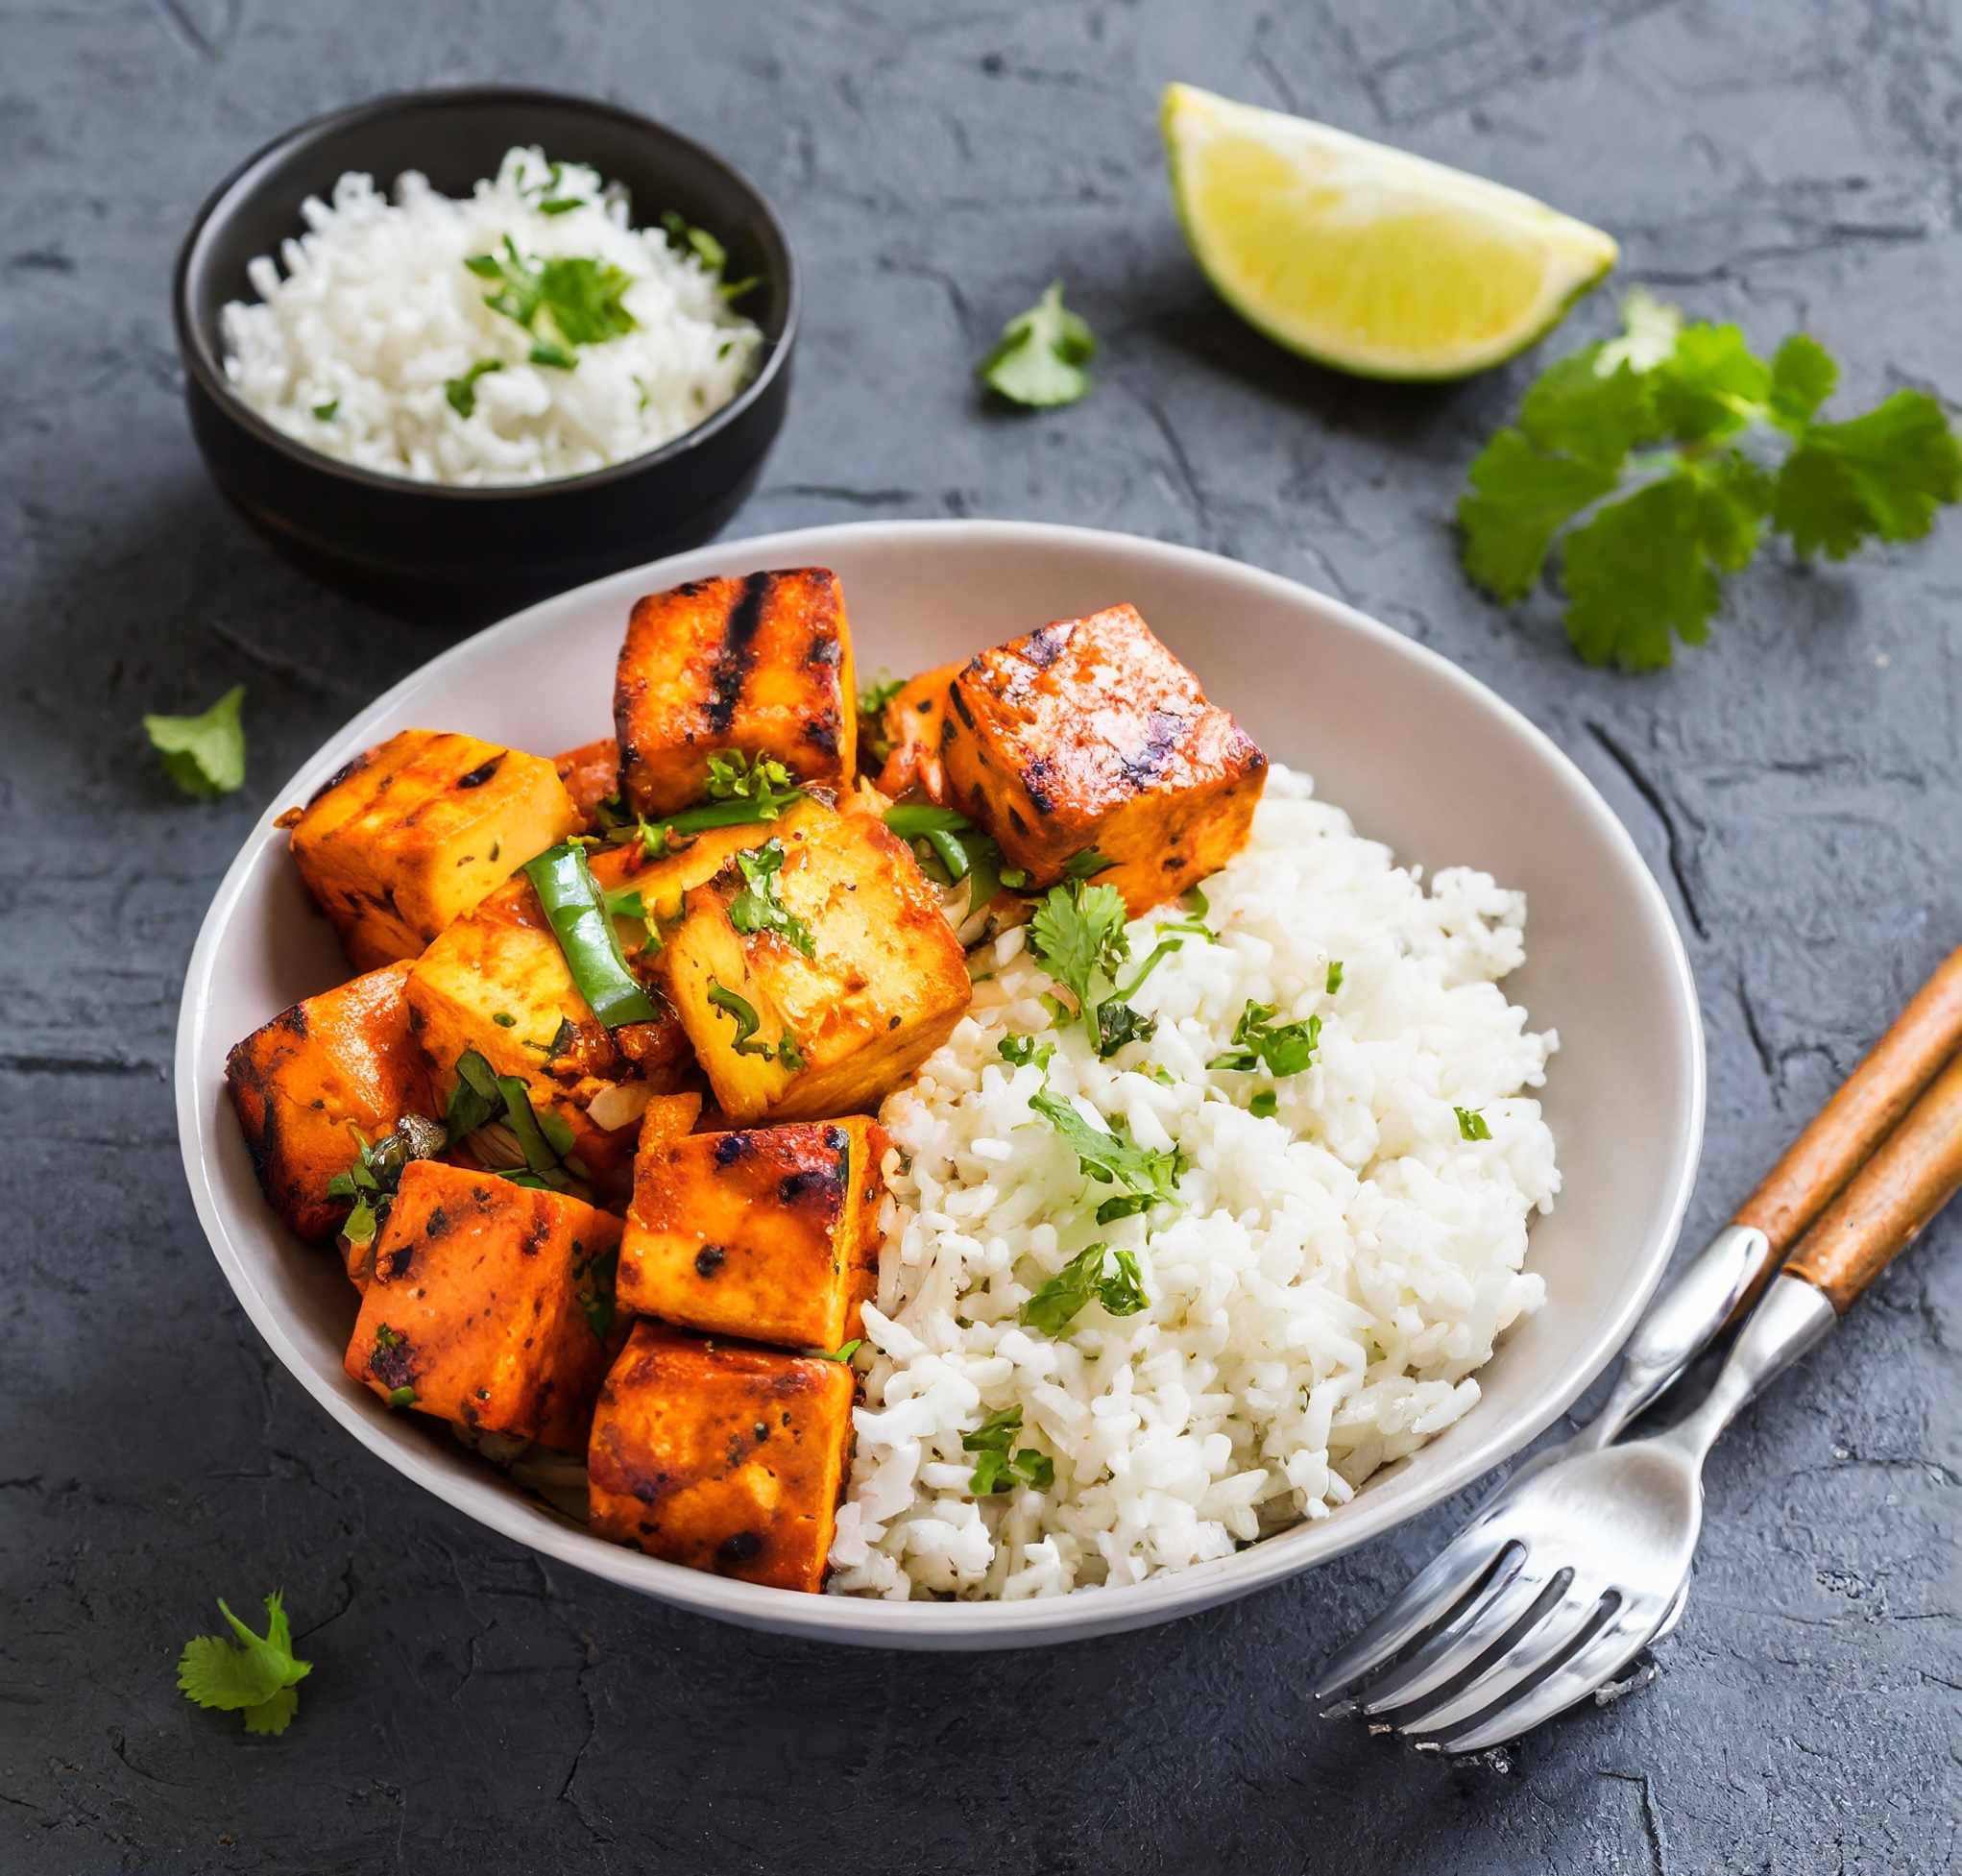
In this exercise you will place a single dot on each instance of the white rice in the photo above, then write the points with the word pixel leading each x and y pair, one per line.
pixel 1318 1300
pixel 377 311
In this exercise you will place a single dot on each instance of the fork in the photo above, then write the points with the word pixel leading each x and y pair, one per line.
pixel 1583 1558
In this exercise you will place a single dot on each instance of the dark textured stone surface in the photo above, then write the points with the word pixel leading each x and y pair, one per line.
pixel 1795 788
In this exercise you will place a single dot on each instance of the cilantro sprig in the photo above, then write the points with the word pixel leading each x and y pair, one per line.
pixel 255 1675
pixel 1040 357
pixel 1654 464
pixel 996 1469
pixel 1081 1281
pixel 1148 1174
pixel 1077 935
pixel 759 907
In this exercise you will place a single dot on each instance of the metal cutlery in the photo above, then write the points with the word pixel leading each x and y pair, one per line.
pixel 1583 1558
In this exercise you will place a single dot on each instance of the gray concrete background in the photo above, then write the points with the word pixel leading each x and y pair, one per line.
pixel 1795 787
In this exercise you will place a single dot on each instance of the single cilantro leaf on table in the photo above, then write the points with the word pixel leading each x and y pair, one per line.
pixel 204 756
pixel 1040 358
pixel 255 1675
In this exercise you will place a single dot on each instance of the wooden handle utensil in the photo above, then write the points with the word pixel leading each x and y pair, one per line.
pixel 1911 1176
pixel 1868 1106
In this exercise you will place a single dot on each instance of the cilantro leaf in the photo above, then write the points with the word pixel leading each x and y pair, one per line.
pixel 1112 1158
pixel 1593 414
pixel 1471 1124
pixel 562 302
pixel 759 907
pixel 461 393
pixel 1260 1042
pixel 1647 566
pixel 255 1675
pixel 1081 1281
pixel 204 755
pixel 1077 935
pixel 1020 1049
pixel 1040 358
pixel 1710 385
pixel 1881 476
pixel 1802 376
pixel 1521 499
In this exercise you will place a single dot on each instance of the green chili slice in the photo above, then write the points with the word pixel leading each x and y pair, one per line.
pixel 577 913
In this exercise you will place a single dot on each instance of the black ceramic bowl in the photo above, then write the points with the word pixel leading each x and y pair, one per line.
pixel 466 554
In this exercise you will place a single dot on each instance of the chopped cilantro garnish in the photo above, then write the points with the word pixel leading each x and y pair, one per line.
pixel 1040 358
pixel 1113 1158
pixel 255 1675
pixel 1260 1042
pixel 204 756
pixel 461 393
pixel 1654 462
pixel 1334 976
pixel 1471 1124
pixel 1087 865
pixel 996 1469
pixel 1020 1049
pixel 1264 1104
pixel 370 1182
pixel 1081 1281
pixel 325 413
pixel 504 1020
pixel 562 302
pixel 1077 935
pixel 843 1354
pixel 759 907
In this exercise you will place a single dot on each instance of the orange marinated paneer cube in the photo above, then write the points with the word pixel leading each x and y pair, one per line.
pixel 762 665
pixel 306 1082
pixel 799 1031
pixel 491 1305
pixel 591 774
pixel 721 1457
pixel 414 832
pixel 771 1233
pixel 1087 734
pixel 911 725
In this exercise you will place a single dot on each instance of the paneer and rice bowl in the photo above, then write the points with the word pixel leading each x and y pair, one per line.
pixel 987 1135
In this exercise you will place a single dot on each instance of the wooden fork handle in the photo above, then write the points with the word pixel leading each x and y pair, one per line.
pixel 1910 1178
pixel 1865 1111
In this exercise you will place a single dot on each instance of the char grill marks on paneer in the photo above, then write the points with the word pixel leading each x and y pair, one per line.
pixel 1089 733
pixel 761 665
pixel 414 832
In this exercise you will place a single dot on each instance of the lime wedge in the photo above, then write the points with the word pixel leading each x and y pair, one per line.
pixel 1365 258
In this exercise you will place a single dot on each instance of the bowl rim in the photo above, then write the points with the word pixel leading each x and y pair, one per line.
pixel 875 1622
pixel 208 370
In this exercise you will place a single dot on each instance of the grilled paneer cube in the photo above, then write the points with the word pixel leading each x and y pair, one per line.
pixel 414 833
pixel 762 665
pixel 785 1034
pixel 591 774
pixel 305 1081
pixel 772 1234
pixel 1089 733
pixel 912 719
pixel 489 1305
pixel 721 1457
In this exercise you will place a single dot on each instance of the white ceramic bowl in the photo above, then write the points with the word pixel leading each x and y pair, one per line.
pixel 1421 756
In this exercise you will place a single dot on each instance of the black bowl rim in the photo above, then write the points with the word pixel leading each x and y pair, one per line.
pixel 208 370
